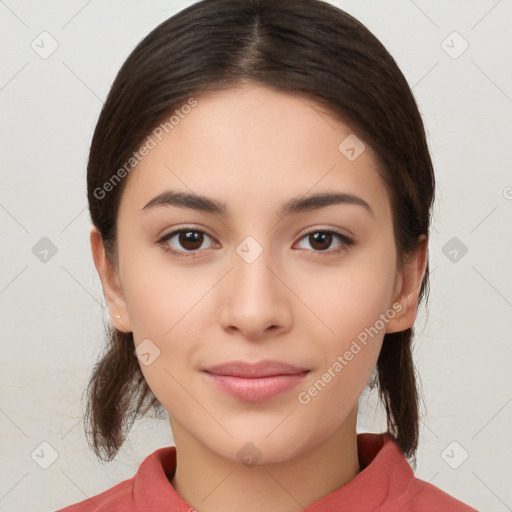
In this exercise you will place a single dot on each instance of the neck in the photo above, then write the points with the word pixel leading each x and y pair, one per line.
pixel 213 483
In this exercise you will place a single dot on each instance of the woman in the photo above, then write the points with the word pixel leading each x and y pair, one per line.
pixel 260 188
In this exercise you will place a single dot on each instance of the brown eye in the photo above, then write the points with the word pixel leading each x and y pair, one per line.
pixel 183 241
pixel 322 240
pixel 190 240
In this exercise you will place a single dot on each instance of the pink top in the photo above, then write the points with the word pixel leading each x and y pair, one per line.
pixel 386 483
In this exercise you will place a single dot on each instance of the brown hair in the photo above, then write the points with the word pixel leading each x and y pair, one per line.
pixel 308 47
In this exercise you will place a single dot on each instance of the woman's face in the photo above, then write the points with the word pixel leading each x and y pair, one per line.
pixel 260 279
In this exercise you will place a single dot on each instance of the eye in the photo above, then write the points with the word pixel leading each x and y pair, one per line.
pixel 190 240
pixel 187 238
pixel 321 239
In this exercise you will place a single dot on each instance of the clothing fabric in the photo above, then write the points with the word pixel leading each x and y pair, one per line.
pixel 386 483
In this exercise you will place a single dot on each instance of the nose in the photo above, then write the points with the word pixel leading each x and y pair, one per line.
pixel 255 302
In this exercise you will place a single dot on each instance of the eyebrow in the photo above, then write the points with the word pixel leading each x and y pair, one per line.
pixel 294 205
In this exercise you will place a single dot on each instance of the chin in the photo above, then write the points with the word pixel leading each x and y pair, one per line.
pixel 252 448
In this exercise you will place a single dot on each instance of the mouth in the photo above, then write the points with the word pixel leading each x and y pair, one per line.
pixel 255 382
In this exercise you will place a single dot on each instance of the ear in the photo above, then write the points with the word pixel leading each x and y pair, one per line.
pixel 112 289
pixel 407 287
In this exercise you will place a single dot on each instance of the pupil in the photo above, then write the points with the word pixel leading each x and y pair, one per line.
pixel 322 237
pixel 188 238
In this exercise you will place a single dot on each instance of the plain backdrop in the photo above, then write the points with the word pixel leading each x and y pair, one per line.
pixel 456 57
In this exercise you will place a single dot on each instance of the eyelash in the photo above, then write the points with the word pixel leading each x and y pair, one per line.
pixel 345 241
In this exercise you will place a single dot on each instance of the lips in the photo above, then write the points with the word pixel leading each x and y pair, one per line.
pixel 255 382
pixel 258 370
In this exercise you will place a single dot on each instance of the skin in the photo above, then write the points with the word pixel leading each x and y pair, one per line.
pixel 254 148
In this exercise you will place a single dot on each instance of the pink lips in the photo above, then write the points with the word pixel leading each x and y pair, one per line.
pixel 255 382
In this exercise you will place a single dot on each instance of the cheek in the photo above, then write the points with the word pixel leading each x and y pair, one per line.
pixel 164 308
pixel 159 295
pixel 349 299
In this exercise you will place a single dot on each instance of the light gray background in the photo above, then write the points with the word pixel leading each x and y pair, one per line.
pixel 52 312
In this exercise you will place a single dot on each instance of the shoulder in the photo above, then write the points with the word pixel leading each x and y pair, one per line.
pixel 149 489
pixel 112 499
pixel 422 496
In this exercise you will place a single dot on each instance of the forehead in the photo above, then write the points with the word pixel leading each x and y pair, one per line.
pixel 254 140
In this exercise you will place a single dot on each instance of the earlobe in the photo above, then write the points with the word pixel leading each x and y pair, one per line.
pixel 109 277
pixel 409 283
